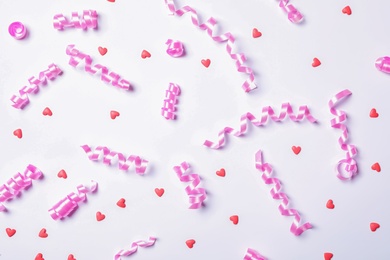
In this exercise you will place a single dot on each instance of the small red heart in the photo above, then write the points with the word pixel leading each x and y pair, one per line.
pixel 234 219
pixel 145 54
pixel 376 167
pixel 374 226
pixel 114 114
pixel 102 51
pixel 100 216
pixel 206 63
pixel 10 231
pixel 221 172
pixel 47 112
pixel 296 149
pixel 159 192
pixel 316 63
pixel 18 133
pixel 112 1
pixel 256 33
pixel 190 243
pixel 330 204
pixel 62 174
pixel 373 113
pixel 328 256
pixel 347 10
pixel 43 233
pixel 39 256
pixel 71 257
pixel 121 203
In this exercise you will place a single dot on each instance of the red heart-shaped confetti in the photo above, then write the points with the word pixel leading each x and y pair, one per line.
pixel 206 63
pixel 114 114
pixel 256 33
pixel 102 51
pixel 145 54
pixel 190 243
pixel 373 113
pixel 112 1
pixel 47 112
pixel 221 172
pixel 100 216
pixel 39 256
pixel 62 174
pixel 234 219
pixel 159 192
pixel 71 257
pixel 10 231
pixel 296 149
pixel 328 256
pixel 347 10
pixel 121 203
pixel 18 133
pixel 316 63
pixel 43 233
pixel 330 204
pixel 374 226
pixel 376 167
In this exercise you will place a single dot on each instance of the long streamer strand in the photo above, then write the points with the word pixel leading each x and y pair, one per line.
pixel 134 247
pixel 88 20
pixel 170 101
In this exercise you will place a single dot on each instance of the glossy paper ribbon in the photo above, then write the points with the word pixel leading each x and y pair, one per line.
pixel 88 20
pixel 21 100
pixel 383 64
pixel 77 56
pixel 17 30
pixel 252 254
pixel 208 26
pixel 134 247
pixel 123 162
pixel 196 195
pixel 351 168
pixel 175 48
pixel 69 204
pixel 16 184
pixel 168 109
pixel 267 113
pixel 276 193
pixel 292 13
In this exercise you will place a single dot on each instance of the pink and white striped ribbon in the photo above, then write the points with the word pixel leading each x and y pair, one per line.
pixel 292 13
pixel 252 254
pixel 88 20
pixel 134 247
pixel 168 109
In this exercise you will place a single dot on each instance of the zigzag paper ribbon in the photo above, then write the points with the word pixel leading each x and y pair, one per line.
pixel 292 13
pixel 134 247
pixel 88 20
pixel 168 110
pixel 252 254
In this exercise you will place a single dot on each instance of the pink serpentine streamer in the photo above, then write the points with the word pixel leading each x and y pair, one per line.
pixel 69 204
pixel 196 195
pixel 208 26
pixel 351 167
pixel 134 247
pixel 252 254
pixel 292 13
pixel 175 48
pixel 16 184
pixel 267 113
pixel 77 56
pixel 383 64
pixel 88 20
pixel 276 193
pixel 168 110
pixel 21 100
pixel 108 156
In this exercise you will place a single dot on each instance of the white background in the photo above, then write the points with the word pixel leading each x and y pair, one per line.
pixel 211 99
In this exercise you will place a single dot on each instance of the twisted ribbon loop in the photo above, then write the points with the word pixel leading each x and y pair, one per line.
pixel 252 254
pixel 17 30
pixel 134 247
pixel 88 20
pixel 168 109
pixel 383 64
pixel 175 48
pixel 292 13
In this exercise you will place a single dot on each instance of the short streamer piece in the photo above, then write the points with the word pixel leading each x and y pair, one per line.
pixel 383 64
pixel 21 100
pixel 196 195
pixel 123 162
pixel 16 184
pixel 252 254
pixel 168 110
pixel 292 13
pixel 134 247
pixel 77 56
pixel 276 193
pixel 69 204
pixel 267 113
pixel 351 167
pixel 88 20
pixel 208 26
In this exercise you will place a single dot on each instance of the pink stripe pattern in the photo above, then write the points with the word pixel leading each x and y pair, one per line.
pixel 252 254
pixel 292 13
pixel 88 20
pixel 134 247
pixel 170 101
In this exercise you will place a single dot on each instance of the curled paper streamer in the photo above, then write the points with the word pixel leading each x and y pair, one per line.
pixel 196 195
pixel 267 113
pixel 134 247
pixel 292 13
pixel 88 20
pixel 17 30
pixel 252 254
pixel 16 184
pixel 69 204
pixel 77 56
pixel 123 162
pixel 21 100
pixel 276 193
pixel 208 26
pixel 383 64
pixel 351 167
pixel 168 110
pixel 175 48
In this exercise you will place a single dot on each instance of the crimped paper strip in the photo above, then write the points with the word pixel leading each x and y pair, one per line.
pixel 134 247
pixel 88 20
pixel 168 109
pixel 252 254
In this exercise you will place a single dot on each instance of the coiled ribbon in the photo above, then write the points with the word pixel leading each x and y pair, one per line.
pixel 175 48
pixel 69 204
pixel 21 100
pixel 88 20
pixel 276 193
pixel 134 247
pixel 196 195
pixel 77 56
pixel 123 162
pixel 16 184
pixel 351 167
pixel 383 64
pixel 267 113
pixel 17 30
pixel 208 26
pixel 168 110
pixel 292 13
pixel 252 254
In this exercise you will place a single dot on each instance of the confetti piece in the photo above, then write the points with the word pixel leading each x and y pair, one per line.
pixel 71 257
pixel 88 20
pixel 102 51
pixel 47 112
pixel 373 113
pixel 18 133
pixel 221 172
pixel 114 114
pixel 17 30
pixel 208 26
pixel 351 167
pixel 376 167
pixel 77 56
pixel 383 64
pixel 62 174
pixel 159 191
pixel 100 216
pixel 292 13
pixel 121 203
pixel 108 156
pixel 234 219
pixel 267 112
pixel 328 256
pixel 21 100
pixel 145 54
pixel 206 63
pixel 170 101
pixel 175 48
pixel 316 63
pixel 374 226
pixel 256 33
pixel 347 10
pixel 134 247
pixel 69 204
pixel 43 233
pixel 330 204
pixel 252 254
pixel 296 149
pixel 196 195
pixel 190 243
pixel 276 193
pixel 10 231
pixel 39 256
pixel 16 184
